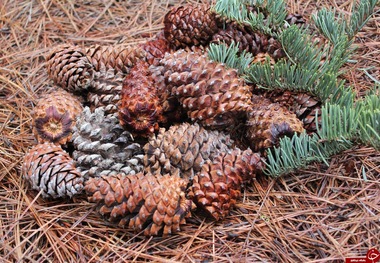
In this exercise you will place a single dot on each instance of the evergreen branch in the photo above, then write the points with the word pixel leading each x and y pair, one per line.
pixel 360 15
pixel 330 27
pixel 231 9
pixel 369 119
pixel 229 55
pixel 299 151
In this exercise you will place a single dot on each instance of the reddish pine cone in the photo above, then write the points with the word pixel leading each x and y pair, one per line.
pixel 209 92
pixel 54 116
pixel 118 57
pixel 305 106
pixel 50 170
pixel 191 25
pixel 69 67
pixel 140 110
pixel 185 147
pixel 155 49
pixel 150 202
pixel 268 122
pixel 216 188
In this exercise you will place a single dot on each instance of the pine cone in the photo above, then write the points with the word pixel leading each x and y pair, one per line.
pixel 69 67
pixel 295 19
pixel 118 57
pixel 185 147
pixel 102 147
pixel 209 92
pixel 150 202
pixel 155 49
pixel 268 122
pixel 249 40
pixel 191 25
pixel 217 187
pixel 140 110
pixel 105 90
pixel 50 170
pixel 54 116
pixel 305 106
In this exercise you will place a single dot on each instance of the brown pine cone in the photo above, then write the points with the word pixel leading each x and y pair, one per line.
pixel 140 110
pixel 217 187
pixel 50 170
pixel 153 203
pixel 118 57
pixel 191 25
pixel 305 106
pixel 105 90
pixel 185 147
pixel 248 39
pixel 210 93
pixel 268 122
pixel 103 147
pixel 69 67
pixel 54 116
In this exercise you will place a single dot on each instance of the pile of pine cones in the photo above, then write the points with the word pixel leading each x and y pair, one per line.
pixel 158 129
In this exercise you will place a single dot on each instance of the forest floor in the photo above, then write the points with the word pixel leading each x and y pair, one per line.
pixel 324 213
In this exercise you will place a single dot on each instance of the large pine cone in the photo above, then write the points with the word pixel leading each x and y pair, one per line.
pixel 268 122
pixel 103 147
pixel 149 202
pixel 249 40
pixel 210 93
pixel 305 106
pixel 140 108
pixel 69 67
pixel 185 147
pixel 191 25
pixel 120 57
pixel 50 170
pixel 54 116
pixel 217 187
pixel 105 90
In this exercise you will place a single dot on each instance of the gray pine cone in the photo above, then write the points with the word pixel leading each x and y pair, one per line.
pixel 103 147
pixel 105 90
pixel 51 170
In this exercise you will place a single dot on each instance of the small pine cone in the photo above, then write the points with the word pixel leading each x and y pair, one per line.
pixel 155 49
pixel 118 57
pixel 295 19
pixel 191 25
pixel 210 93
pixel 268 122
pixel 185 147
pixel 50 170
pixel 105 90
pixel 140 110
pixel 103 147
pixel 69 67
pixel 149 202
pixel 305 106
pixel 216 188
pixel 54 116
